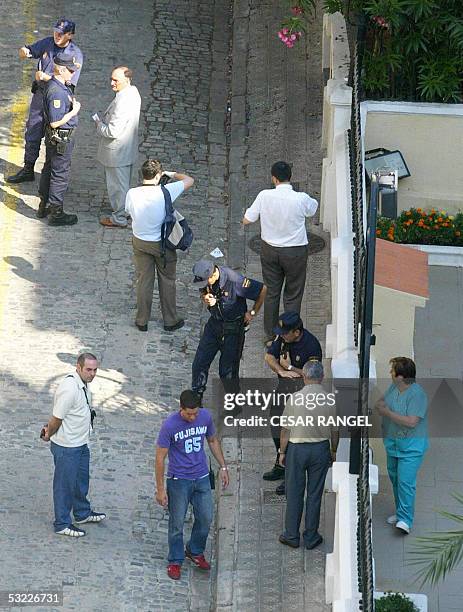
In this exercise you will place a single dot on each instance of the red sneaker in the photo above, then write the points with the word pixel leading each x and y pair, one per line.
pixel 198 560
pixel 174 571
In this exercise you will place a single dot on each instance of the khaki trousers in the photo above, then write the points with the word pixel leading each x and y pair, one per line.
pixel 147 259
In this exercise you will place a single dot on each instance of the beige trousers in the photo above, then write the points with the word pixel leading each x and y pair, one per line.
pixel 148 261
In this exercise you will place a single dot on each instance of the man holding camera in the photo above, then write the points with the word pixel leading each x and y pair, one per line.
pixel 146 206
pixel 44 51
pixel 68 430
pixel 224 292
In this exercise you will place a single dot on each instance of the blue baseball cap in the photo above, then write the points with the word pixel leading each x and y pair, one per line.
pixel 202 270
pixel 287 322
pixel 62 59
pixel 63 26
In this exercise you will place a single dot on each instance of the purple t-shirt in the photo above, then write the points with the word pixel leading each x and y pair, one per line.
pixel 185 442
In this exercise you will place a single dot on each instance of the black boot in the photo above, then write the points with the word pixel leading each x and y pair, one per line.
pixel 25 175
pixel 42 210
pixel 57 216
pixel 276 473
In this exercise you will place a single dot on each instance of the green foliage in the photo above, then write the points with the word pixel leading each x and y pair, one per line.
pixel 395 602
pixel 414 48
pixel 439 553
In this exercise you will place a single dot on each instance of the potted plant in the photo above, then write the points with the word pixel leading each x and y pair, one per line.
pixel 395 602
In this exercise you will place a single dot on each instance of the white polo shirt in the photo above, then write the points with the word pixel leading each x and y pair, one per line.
pixel 146 206
pixel 282 212
pixel 71 406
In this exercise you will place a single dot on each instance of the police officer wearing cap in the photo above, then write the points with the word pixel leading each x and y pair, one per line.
pixel 292 348
pixel 224 292
pixel 60 110
pixel 45 51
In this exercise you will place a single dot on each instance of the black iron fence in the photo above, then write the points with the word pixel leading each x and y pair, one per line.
pixel 364 254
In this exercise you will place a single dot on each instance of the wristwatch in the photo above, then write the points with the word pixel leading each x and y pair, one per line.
pixel 290 367
pixel 252 313
pixel 224 468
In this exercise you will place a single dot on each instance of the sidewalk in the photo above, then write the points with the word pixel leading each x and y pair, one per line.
pixel 276 105
pixel 438 353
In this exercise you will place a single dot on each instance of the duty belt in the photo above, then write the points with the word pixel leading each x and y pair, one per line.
pixel 63 134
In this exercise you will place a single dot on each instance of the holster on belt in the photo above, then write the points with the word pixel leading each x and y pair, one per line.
pixel 59 138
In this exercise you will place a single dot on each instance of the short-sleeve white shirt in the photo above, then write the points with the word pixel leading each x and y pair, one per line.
pixel 146 206
pixel 282 212
pixel 71 406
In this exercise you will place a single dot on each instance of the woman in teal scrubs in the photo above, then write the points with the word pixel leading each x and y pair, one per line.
pixel 404 410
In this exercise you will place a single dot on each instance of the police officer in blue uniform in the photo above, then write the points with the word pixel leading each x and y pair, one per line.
pixel 225 292
pixel 60 110
pixel 45 51
pixel 287 355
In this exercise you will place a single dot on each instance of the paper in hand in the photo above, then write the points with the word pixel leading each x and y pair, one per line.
pixel 95 117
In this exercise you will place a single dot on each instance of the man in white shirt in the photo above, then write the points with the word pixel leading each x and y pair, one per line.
pixel 146 206
pixel 282 213
pixel 118 145
pixel 68 430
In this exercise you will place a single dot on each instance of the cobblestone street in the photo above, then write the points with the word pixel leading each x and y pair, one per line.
pixel 66 289
pixel 222 99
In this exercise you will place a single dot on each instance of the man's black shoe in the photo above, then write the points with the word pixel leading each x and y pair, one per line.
pixel 61 218
pixel 280 490
pixel 178 325
pixel 283 540
pixel 25 175
pixel 276 473
pixel 315 543
pixel 42 210
pixel 142 327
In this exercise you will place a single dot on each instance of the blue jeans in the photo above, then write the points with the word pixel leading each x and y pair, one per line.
pixel 70 484
pixel 182 492
pixel 402 472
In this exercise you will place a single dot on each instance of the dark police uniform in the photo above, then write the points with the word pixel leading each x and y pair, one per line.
pixel 57 101
pixel 305 349
pixel 45 51
pixel 224 331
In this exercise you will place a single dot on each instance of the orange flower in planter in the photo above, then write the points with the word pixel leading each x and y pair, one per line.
pixel 439 219
pixel 457 233
pixel 378 232
pixel 408 213
pixel 419 210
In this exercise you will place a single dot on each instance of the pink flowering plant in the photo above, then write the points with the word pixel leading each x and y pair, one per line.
pixel 413 48
pixel 293 26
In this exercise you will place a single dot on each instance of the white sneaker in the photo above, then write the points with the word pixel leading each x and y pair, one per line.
pixel 93 517
pixel 403 527
pixel 391 520
pixel 72 531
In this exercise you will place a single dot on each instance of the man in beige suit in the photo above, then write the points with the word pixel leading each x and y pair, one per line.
pixel 118 146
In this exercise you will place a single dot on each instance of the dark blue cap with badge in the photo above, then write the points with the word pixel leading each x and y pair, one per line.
pixel 287 322
pixel 65 26
pixel 62 59
pixel 202 270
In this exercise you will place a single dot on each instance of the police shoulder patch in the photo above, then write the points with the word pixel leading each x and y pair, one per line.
pixel 246 283
pixel 57 103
